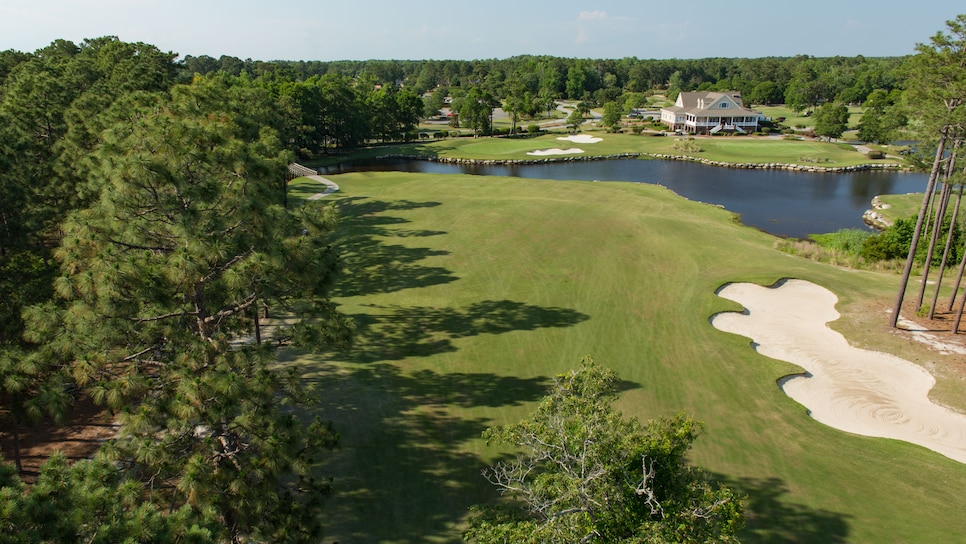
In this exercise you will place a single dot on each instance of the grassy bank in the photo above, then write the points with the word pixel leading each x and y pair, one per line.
pixel 471 294
pixel 901 206
pixel 732 149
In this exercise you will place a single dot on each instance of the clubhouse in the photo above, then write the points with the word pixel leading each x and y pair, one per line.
pixel 710 113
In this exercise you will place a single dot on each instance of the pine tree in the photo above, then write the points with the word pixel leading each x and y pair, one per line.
pixel 162 278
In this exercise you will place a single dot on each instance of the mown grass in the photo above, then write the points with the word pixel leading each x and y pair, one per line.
pixel 731 149
pixel 470 294
pixel 799 120
pixel 901 206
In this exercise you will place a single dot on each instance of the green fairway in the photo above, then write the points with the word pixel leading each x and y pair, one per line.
pixel 901 206
pixel 470 293
pixel 799 120
pixel 730 149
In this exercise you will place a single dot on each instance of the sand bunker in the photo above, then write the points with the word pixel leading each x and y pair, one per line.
pixel 555 151
pixel 855 390
pixel 581 139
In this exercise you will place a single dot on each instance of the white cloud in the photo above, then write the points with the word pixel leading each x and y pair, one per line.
pixel 591 15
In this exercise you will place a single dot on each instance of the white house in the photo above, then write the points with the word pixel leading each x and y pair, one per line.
pixel 709 113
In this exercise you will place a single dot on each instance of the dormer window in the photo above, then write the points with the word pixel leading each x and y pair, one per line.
pixel 724 105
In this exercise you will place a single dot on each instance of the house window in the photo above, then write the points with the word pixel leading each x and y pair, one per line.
pixel 724 105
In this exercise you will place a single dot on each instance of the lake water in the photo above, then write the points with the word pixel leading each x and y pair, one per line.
pixel 790 204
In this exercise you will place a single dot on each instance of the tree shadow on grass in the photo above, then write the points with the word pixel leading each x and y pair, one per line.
pixel 373 266
pixel 772 518
pixel 392 333
pixel 404 473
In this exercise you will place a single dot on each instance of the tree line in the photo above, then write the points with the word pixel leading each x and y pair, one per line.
pixel 526 86
pixel 767 80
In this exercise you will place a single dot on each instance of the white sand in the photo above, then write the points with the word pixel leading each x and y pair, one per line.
pixel 581 139
pixel 556 151
pixel 855 390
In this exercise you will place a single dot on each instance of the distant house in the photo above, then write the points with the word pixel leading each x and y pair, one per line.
pixel 709 113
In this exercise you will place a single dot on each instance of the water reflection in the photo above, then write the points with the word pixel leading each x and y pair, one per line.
pixel 792 204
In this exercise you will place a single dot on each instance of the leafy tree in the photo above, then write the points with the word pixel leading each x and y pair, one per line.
pixel 612 116
pixel 409 108
pixel 394 112
pixel 585 473
pixel 675 84
pixel 432 105
pixel 831 120
pixel 381 105
pixel 766 92
pixel 633 101
pixel 521 98
pixel 476 110
pixel 638 78
pixel 576 81
pixel 161 282
pixel 575 119
pixel 551 81
pixel 881 119
pixel 804 90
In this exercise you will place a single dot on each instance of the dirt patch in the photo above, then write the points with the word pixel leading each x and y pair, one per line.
pixel 88 427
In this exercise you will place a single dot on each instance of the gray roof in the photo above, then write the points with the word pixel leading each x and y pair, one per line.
pixel 689 103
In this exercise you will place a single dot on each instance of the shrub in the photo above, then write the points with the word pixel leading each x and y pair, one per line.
pixel 637 129
pixel 845 240
pixel 687 145
pixel 892 243
pixel 876 154
pixel 533 128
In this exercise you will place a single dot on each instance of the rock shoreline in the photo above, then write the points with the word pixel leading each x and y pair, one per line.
pixel 875 219
pixel 661 156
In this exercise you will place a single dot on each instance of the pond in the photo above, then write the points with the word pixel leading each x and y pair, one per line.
pixel 783 203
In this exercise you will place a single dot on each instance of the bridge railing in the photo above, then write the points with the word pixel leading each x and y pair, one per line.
pixel 296 170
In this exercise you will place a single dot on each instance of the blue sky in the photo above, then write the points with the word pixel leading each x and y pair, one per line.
pixel 458 29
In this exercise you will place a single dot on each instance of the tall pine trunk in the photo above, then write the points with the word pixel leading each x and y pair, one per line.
pixel 949 234
pixel 907 269
pixel 16 447
pixel 959 280
pixel 934 230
